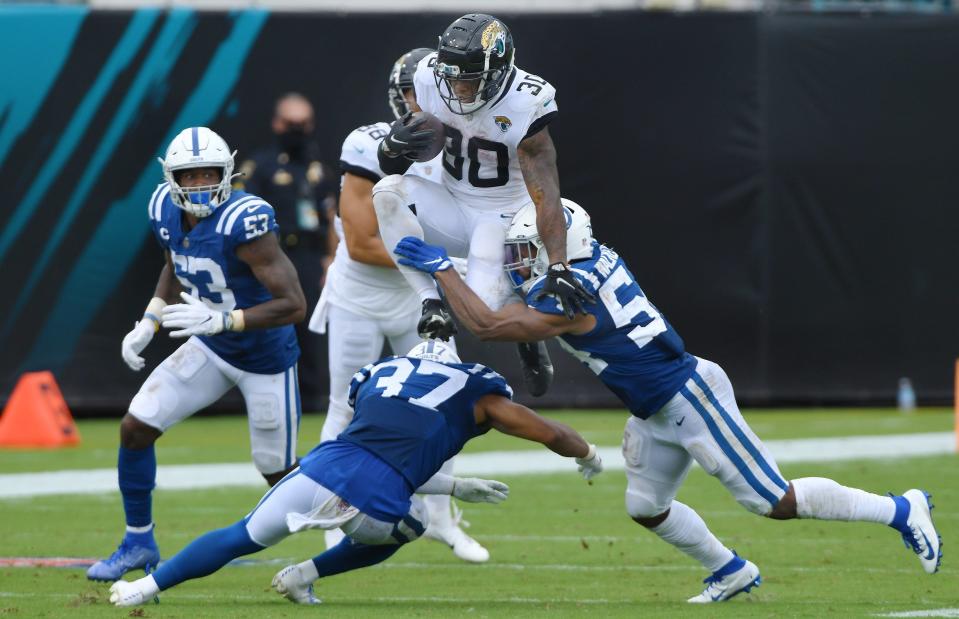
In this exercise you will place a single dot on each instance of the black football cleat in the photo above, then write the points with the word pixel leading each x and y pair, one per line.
pixel 436 323
pixel 537 367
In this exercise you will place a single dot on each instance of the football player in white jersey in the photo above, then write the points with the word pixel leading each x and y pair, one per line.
pixel 683 407
pixel 228 287
pixel 498 157
pixel 366 300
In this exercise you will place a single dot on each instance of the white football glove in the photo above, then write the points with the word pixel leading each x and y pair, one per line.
pixel 590 465
pixel 135 341
pixel 193 318
pixel 475 490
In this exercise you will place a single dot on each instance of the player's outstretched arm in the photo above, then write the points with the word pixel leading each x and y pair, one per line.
pixel 360 228
pixel 513 323
pixel 516 420
pixel 273 269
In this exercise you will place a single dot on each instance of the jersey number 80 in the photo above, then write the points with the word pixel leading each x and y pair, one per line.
pixel 453 159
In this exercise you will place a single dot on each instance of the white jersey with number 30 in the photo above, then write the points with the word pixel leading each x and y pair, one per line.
pixel 480 164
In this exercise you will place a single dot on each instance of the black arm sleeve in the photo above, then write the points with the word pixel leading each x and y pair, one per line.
pixel 392 165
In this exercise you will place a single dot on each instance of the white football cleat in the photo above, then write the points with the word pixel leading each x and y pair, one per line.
pixel 464 546
pixel 720 587
pixel 921 535
pixel 123 593
pixel 290 584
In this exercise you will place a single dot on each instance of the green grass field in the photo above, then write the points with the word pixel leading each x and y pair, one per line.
pixel 559 547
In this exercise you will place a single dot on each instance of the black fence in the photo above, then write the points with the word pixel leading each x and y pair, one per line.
pixel 783 186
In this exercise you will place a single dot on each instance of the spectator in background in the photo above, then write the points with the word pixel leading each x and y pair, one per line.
pixel 290 175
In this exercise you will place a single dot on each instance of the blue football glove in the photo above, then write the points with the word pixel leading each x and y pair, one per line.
pixel 416 253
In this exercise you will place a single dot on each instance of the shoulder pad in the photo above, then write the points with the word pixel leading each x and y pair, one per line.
pixel 245 219
pixel 155 205
pixel 358 379
pixel 531 92
pixel 359 148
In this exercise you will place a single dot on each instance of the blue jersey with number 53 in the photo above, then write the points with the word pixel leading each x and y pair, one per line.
pixel 207 267
pixel 633 350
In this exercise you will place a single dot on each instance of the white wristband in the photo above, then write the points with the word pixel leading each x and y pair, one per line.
pixel 591 453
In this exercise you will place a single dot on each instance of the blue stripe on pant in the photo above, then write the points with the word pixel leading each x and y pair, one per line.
pixel 728 449
pixel 739 434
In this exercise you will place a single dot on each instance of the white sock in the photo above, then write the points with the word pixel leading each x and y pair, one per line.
pixel 824 499
pixel 684 529
pixel 145 529
pixel 307 571
pixel 396 221
pixel 438 505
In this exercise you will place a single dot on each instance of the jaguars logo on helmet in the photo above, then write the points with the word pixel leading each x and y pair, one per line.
pixel 475 48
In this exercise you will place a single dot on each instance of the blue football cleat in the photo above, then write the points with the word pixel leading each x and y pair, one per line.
pixel 131 555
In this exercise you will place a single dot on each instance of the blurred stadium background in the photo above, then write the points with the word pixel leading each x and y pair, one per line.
pixel 781 177
pixel 782 180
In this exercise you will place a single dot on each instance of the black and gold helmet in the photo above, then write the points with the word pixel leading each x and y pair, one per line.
pixel 475 48
pixel 401 78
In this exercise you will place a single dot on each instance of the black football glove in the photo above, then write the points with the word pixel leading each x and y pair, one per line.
pixel 571 294
pixel 404 139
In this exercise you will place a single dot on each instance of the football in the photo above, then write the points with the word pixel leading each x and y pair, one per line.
pixel 439 135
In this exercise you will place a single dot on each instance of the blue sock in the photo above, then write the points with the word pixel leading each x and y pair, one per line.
pixel 206 554
pixel 349 555
pixel 137 471
pixel 902 514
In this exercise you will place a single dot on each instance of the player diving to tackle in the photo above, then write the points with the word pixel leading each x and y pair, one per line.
pixel 366 300
pixel 682 406
pixel 411 414
pixel 499 156
pixel 240 297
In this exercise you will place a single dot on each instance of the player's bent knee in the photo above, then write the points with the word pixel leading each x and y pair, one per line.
pixel 135 434
pixel 642 506
pixel 371 531
pixel 756 505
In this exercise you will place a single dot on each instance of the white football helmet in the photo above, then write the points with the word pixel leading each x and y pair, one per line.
pixel 434 350
pixel 525 249
pixel 198 147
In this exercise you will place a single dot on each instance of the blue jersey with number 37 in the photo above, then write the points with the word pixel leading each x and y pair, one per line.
pixel 207 267
pixel 416 414
pixel 633 350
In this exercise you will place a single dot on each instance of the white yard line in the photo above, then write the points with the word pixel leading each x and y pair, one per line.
pixel 492 463
pixel 935 612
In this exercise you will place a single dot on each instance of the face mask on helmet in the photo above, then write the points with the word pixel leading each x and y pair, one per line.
pixel 524 263
pixel 434 350
pixel 194 149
